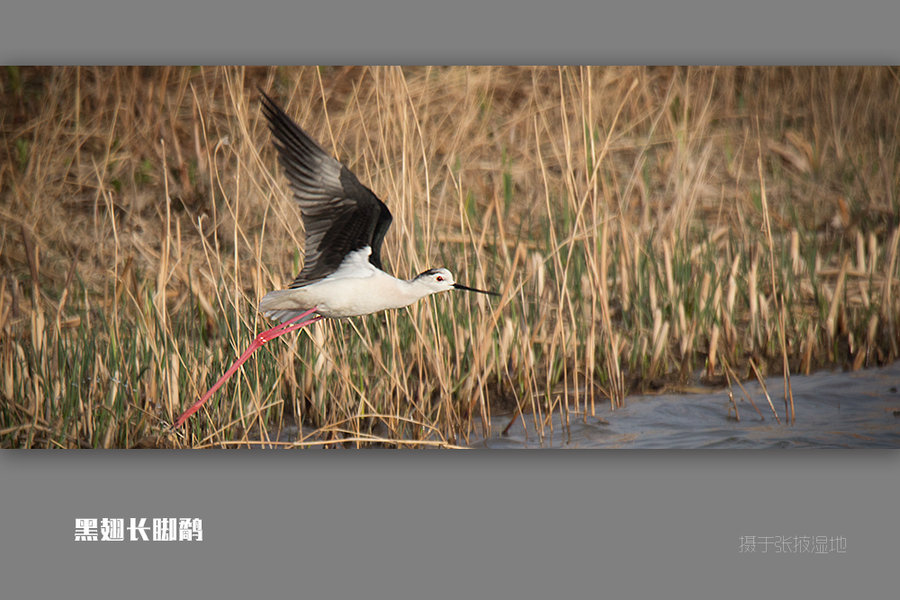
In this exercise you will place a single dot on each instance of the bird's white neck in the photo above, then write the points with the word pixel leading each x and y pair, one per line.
pixel 412 290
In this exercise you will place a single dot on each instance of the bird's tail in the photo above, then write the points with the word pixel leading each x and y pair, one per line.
pixel 281 305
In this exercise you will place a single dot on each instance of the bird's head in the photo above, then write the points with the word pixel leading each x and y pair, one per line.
pixel 441 280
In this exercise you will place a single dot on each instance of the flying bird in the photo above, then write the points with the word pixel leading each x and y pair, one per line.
pixel 345 225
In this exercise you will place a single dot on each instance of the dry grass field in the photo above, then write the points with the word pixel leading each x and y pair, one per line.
pixel 648 227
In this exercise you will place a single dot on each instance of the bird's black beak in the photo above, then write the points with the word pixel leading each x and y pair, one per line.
pixel 460 286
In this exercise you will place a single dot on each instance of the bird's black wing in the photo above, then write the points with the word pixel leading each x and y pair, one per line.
pixel 340 214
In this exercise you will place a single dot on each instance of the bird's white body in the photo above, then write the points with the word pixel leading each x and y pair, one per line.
pixel 356 288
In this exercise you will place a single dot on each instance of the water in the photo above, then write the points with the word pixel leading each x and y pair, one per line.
pixel 833 410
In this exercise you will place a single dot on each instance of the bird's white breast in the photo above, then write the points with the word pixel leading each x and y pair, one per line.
pixel 355 288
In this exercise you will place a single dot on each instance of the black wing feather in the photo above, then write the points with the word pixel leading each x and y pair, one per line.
pixel 340 214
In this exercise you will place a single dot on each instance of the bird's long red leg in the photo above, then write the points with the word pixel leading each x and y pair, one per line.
pixel 258 342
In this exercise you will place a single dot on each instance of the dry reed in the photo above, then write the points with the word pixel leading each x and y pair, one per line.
pixel 646 226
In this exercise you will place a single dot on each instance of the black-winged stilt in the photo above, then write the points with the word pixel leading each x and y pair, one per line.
pixel 345 224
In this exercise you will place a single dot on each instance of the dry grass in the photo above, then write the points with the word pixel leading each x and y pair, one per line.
pixel 648 227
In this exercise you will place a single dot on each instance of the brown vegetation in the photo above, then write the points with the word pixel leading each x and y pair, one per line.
pixel 647 227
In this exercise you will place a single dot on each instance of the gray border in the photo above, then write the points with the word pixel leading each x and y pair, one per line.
pixel 433 524
pixel 492 524
pixel 450 32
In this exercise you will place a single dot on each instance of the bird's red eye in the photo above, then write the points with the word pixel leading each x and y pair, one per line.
pixel 439 278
